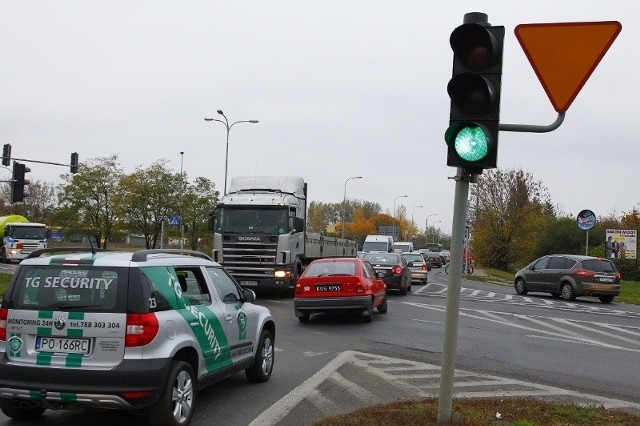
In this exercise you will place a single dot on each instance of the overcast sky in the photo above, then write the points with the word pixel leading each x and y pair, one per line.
pixel 340 88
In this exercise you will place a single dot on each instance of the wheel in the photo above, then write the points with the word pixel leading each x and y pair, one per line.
pixel 176 404
pixel 521 287
pixel 20 410
pixel 262 366
pixel 566 291
pixel 403 289
pixel 606 299
pixel 304 317
pixel 382 308
pixel 368 317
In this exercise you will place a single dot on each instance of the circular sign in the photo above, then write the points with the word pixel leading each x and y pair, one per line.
pixel 586 219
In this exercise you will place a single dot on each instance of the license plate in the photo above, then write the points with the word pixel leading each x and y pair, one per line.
pixel 67 345
pixel 328 288
pixel 250 283
pixel 605 280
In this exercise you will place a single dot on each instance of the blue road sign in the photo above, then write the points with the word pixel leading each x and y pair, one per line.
pixel 174 219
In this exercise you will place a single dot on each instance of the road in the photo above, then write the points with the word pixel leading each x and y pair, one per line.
pixel 582 351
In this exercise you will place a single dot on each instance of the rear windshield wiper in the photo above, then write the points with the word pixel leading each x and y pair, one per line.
pixel 66 306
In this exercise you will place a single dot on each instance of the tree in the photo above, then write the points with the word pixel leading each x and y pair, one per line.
pixel 86 202
pixel 37 206
pixel 148 196
pixel 507 211
pixel 198 201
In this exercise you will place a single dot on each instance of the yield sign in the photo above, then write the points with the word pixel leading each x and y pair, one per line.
pixel 564 55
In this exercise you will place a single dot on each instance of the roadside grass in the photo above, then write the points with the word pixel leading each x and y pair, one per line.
pixel 483 412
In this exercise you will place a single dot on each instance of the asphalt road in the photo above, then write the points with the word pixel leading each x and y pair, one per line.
pixel 581 351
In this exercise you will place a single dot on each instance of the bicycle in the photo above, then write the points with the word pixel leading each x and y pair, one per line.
pixel 467 268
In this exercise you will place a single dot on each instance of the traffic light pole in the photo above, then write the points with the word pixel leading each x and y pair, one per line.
pixel 532 128
pixel 450 339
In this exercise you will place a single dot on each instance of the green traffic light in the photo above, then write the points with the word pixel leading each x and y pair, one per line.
pixel 471 143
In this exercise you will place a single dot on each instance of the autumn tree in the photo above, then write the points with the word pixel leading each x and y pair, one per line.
pixel 148 196
pixel 199 199
pixel 86 202
pixel 37 206
pixel 507 211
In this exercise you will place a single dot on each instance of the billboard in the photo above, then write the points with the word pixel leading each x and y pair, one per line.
pixel 621 243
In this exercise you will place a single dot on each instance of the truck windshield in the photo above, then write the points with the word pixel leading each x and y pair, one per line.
pixel 252 221
pixel 29 232
pixel 375 246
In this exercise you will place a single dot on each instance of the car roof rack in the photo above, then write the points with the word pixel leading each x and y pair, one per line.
pixel 40 252
pixel 141 255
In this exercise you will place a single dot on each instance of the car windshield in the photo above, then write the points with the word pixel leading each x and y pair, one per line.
pixel 413 258
pixel 383 259
pixel 599 265
pixel 322 269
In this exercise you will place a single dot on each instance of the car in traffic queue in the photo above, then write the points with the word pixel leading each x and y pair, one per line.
pixel 433 258
pixel 393 269
pixel 570 276
pixel 140 331
pixel 338 285
pixel 418 266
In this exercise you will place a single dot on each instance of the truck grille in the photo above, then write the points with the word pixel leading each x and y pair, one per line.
pixel 249 260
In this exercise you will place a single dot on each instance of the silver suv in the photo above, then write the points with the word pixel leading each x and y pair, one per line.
pixel 569 276
pixel 137 331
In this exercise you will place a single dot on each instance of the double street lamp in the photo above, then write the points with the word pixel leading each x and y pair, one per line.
pixel 344 201
pixel 228 126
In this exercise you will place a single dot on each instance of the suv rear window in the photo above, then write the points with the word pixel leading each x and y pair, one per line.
pixel 599 265
pixel 68 288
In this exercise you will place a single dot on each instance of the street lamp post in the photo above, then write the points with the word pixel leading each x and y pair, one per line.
pixel 181 209
pixel 426 227
pixel 228 126
pixel 394 213
pixel 416 207
pixel 438 232
pixel 344 202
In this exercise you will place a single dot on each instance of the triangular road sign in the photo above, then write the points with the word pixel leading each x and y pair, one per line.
pixel 564 55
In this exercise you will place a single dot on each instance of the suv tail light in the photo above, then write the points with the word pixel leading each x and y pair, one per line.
pixel 4 313
pixel 397 270
pixel 618 275
pixel 141 329
pixel 585 273
pixel 423 267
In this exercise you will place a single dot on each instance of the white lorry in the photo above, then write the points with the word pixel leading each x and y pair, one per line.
pixel 20 237
pixel 260 233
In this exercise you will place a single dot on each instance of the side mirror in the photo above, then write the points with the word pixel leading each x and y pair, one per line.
pixel 299 224
pixel 248 295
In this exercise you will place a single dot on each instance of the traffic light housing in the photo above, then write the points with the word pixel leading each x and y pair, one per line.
pixel 74 162
pixel 474 89
pixel 18 182
pixel 6 154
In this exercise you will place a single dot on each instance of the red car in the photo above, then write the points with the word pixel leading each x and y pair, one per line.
pixel 339 284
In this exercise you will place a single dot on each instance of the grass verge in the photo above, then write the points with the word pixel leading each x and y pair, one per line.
pixel 483 412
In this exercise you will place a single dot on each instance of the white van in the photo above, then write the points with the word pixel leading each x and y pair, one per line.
pixel 378 244
pixel 403 246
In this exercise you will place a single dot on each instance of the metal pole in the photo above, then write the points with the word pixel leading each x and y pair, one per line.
pixel 344 202
pixel 449 346
pixel 181 209
pixel 394 215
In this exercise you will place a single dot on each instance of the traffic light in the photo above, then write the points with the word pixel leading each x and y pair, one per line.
pixel 6 154
pixel 19 182
pixel 474 89
pixel 74 162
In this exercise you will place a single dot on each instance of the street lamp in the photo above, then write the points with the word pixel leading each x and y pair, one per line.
pixel 416 207
pixel 426 226
pixel 181 209
pixel 394 213
pixel 438 232
pixel 344 201
pixel 228 126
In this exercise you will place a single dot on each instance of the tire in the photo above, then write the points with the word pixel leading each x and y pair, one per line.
pixel 566 292
pixel 262 366
pixel 382 308
pixel 304 317
pixel 403 289
pixel 606 299
pixel 177 402
pixel 521 287
pixel 20 410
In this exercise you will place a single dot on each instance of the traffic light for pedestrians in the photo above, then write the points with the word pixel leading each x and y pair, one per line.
pixel 6 154
pixel 474 89
pixel 18 182
pixel 74 162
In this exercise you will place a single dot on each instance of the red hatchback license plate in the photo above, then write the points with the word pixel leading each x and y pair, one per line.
pixel 328 288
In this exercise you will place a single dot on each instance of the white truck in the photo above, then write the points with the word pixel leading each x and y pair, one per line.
pixel 260 233
pixel 20 237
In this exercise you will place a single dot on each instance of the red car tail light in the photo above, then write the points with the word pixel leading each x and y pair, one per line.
pixel 423 267
pixel 141 329
pixel 360 287
pixel 397 270
pixel 584 273
pixel 4 313
pixel 618 275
